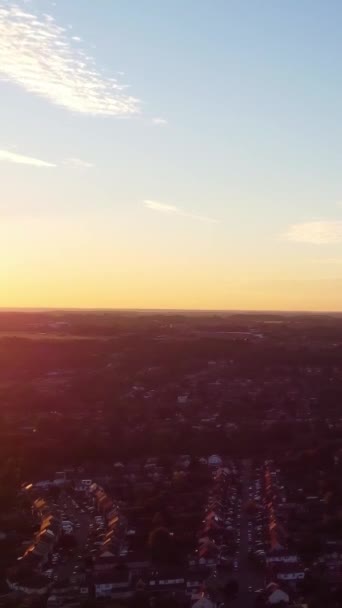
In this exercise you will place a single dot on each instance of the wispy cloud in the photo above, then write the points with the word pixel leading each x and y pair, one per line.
pixel 77 163
pixel 318 232
pixel 42 57
pixel 159 121
pixel 20 159
pixel 173 210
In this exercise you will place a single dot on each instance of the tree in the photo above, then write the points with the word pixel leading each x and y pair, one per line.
pixel 251 507
pixel 231 589
pixel 162 545
pixel 158 520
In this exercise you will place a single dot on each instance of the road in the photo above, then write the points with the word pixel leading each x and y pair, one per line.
pixel 246 575
pixel 65 569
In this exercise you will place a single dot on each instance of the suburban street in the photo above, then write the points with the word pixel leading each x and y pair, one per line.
pixel 66 569
pixel 246 575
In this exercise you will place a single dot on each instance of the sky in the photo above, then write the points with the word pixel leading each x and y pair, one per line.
pixel 171 154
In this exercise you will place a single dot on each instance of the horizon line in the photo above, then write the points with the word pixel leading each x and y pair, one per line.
pixel 47 309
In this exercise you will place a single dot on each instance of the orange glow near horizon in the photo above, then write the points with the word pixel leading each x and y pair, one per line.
pixel 57 265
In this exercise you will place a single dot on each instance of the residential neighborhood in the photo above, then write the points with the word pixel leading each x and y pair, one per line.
pixel 188 462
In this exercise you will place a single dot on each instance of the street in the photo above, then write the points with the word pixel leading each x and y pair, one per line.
pixel 246 575
pixel 65 570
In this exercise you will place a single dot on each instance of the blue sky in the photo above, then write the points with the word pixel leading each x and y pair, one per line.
pixel 219 162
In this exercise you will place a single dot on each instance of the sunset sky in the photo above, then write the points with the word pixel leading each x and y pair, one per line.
pixel 171 154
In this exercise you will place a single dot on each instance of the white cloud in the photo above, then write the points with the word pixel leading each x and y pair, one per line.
pixel 318 232
pixel 159 121
pixel 12 157
pixel 77 163
pixel 46 60
pixel 162 207
pixel 172 210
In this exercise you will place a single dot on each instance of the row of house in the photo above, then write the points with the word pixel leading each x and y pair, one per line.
pixel 283 564
pixel 26 576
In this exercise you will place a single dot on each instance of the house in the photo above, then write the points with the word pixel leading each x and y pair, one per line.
pixel 39 505
pixel 289 572
pixel 184 461
pixel 278 596
pixel 214 461
pixel 40 551
pixel 111 515
pixel 116 585
pixel 195 562
pixel 28 582
pixel 51 523
pixel 118 465
pixel 62 594
pixel 105 504
pixel 84 485
pixel 105 562
pixel 194 582
pixel 282 557
pixel 60 478
pixel 203 602
pixel 167 583
pixel 44 484
pixel 84 590
pixel 67 526
pixel 54 601
pixel 138 561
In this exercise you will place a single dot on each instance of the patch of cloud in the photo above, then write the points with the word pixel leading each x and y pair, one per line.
pixel 159 121
pixel 77 163
pixel 318 232
pixel 20 159
pixel 42 57
pixel 176 211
